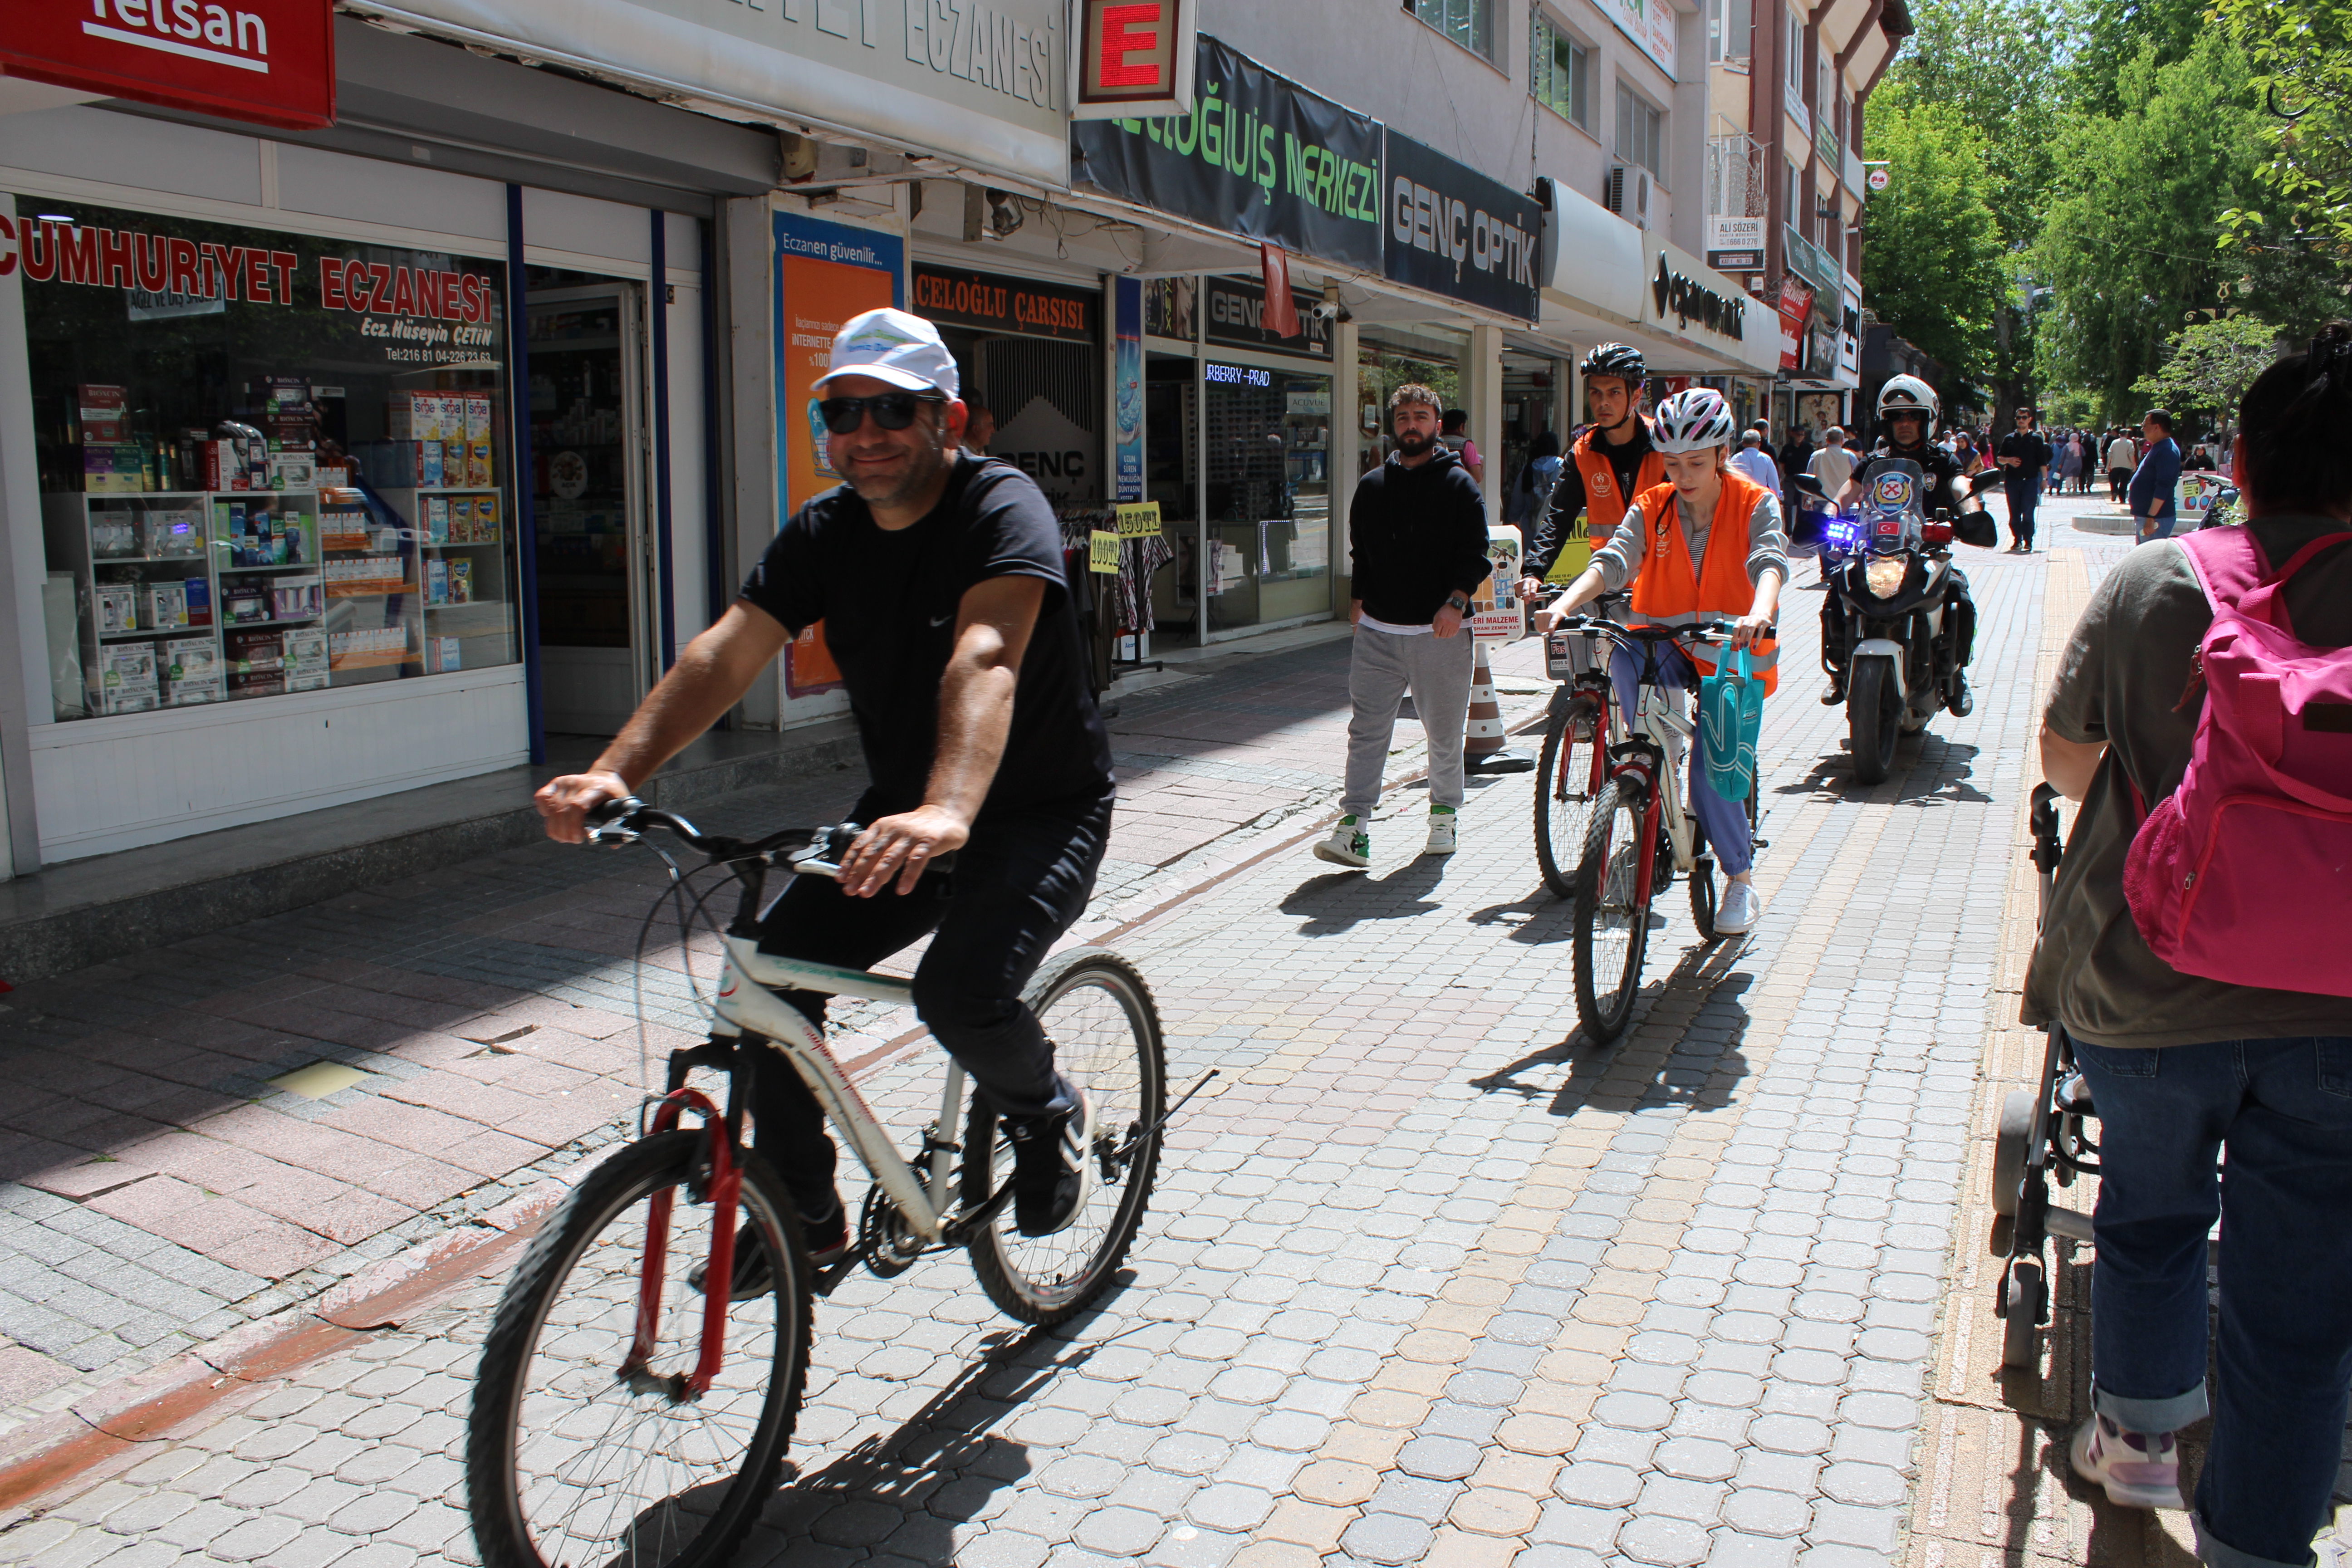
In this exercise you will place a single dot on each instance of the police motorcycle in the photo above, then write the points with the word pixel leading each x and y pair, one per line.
pixel 1894 640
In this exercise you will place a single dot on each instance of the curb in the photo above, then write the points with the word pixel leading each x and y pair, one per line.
pixel 106 1428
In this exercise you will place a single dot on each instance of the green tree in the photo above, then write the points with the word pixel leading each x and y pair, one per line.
pixel 1932 265
pixel 2128 244
pixel 2001 64
pixel 2301 52
pixel 2112 33
pixel 2209 365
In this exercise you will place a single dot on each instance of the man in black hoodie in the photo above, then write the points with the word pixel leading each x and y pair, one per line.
pixel 1418 527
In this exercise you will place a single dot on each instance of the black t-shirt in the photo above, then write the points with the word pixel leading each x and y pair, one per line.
pixel 1568 497
pixel 888 601
pixel 2032 450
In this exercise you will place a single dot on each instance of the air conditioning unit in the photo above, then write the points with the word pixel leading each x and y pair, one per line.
pixel 1628 193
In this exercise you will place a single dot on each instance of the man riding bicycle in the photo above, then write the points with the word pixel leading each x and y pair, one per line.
pixel 1607 465
pixel 1705 545
pixel 938 576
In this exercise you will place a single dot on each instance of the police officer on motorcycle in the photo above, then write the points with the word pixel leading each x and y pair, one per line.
pixel 1908 409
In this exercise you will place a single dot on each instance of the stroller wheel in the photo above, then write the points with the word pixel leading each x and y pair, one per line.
pixel 2009 1151
pixel 2020 1329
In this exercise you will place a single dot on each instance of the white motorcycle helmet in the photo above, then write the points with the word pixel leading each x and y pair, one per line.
pixel 1692 421
pixel 1909 395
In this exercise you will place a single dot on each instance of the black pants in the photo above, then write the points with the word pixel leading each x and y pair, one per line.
pixel 2021 502
pixel 1021 882
pixel 2118 482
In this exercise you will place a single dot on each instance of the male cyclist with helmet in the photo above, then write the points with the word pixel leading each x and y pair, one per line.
pixel 1908 411
pixel 1607 465
pixel 1705 545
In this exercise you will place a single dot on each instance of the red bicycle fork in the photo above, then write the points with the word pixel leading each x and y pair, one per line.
pixel 724 1189
pixel 1646 874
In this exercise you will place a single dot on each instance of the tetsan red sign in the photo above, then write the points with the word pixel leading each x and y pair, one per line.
pixel 269 61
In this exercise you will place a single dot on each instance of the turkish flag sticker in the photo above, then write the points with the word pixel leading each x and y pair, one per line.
pixel 272 62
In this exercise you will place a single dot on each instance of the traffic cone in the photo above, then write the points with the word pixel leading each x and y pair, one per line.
pixel 1483 750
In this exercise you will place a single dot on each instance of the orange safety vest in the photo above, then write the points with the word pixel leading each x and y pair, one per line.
pixel 1604 508
pixel 1668 592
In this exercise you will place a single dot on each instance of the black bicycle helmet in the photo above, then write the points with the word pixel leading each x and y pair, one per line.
pixel 1616 359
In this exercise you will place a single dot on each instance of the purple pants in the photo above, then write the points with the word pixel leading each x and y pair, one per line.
pixel 1723 823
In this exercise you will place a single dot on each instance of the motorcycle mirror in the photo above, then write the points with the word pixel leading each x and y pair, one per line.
pixel 1990 480
pixel 1810 485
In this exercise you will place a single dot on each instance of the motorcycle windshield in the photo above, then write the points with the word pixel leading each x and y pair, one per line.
pixel 1894 503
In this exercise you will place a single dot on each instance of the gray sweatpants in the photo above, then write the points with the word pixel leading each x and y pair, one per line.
pixel 1381 669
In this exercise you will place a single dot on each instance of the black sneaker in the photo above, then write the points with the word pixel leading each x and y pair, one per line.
pixel 1052 1167
pixel 827 1241
pixel 1963 701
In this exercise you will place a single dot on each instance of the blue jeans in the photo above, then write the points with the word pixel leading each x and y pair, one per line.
pixel 1723 823
pixel 2023 496
pixel 2282 1110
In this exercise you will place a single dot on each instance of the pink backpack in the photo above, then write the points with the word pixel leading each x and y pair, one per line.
pixel 2244 873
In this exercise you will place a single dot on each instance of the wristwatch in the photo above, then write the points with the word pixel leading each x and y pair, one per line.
pixel 1459 600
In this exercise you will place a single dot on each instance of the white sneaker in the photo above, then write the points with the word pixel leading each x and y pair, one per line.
pixel 1741 906
pixel 1349 845
pixel 1441 834
pixel 2138 1469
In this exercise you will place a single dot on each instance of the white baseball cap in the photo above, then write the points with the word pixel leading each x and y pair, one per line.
pixel 892 346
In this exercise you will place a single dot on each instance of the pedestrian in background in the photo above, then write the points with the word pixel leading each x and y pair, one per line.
pixel 1456 435
pixel 2184 1068
pixel 1532 493
pixel 1755 463
pixel 2023 455
pixel 1417 532
pixel 2157 476
pixel 2123 456
pixel 1833 465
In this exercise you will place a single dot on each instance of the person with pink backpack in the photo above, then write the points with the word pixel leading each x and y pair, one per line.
pixel 2198 950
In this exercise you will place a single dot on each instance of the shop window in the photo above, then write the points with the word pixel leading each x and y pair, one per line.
pixel 1469 23
pixel 1641 131
pixel 268 463
pixel 1267 489
pixel 1561 73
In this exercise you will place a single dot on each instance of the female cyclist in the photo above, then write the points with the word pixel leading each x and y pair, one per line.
pixel 1706 546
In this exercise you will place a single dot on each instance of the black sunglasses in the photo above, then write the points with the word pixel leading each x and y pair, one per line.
pixel 892 411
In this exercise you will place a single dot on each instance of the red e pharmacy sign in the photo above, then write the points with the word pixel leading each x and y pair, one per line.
pixel 269 61
pixel 1134 58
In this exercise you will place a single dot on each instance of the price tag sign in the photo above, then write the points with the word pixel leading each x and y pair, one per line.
pixel 1138 519
pixel 1103 552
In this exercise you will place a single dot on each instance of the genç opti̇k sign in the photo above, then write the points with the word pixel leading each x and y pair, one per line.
pixel 272 62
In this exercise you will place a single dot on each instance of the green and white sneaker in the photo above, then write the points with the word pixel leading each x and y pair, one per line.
pixel 1440 831
pixel 1349 845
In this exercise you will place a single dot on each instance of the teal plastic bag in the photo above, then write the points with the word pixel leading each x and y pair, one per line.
pixel 1730 722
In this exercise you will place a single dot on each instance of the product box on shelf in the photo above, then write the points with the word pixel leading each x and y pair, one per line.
pixel 461 581
pixel 191 670
pixel 305 659
pixel 105 414
pixel 254 649
pixel 228 465
pixel 478 415
pixel 113 535
pixel 118 608
pixel 176 534
pixel 167 605
pixel 436 520
pixel 292 470
pixel 443 654
pixel 261 683
pixel 126 676
pixel 429 467
pixel 294 602
pixel 243 604
pixel 478 462
pixel 116 469
pixel 436 582
pixel 198 592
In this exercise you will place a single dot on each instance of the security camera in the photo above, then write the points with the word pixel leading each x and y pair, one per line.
pixel 1332 310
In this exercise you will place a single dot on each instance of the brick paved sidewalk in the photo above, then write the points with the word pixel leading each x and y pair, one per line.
pixel 1432 1279
pixel 458 1041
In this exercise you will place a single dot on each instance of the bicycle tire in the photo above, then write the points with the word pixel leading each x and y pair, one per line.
pixel 1605 879
pixel 1562 816
pixel 1040 1280
pixel 510 1417
pixel 1703 897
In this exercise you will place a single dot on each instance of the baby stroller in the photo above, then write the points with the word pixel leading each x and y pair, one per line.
pixel 2044 1138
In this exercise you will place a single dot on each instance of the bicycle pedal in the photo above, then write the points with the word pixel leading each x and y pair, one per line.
pixel 1760 844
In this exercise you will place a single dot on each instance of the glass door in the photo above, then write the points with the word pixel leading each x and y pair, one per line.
pixel 590 527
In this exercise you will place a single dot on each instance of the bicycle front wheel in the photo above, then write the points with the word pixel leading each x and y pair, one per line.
pixel 575 1453
pixel 1611 922
pixel 1105 1027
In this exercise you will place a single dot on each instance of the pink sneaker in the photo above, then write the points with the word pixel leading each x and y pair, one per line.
pixel 2138 1469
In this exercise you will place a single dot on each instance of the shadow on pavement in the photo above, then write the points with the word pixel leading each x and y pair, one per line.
pixel 1697 1066
pixel 910 1489
pixel 1343 901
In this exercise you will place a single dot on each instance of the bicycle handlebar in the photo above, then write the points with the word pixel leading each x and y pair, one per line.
pixel 804 851
pixel 1714 631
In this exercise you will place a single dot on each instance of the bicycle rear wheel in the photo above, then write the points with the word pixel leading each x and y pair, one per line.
pixel 568 1463
pixel 1099 1015
pixel 1568 779
pixel 1612 923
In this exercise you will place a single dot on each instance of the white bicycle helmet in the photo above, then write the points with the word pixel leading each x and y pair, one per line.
pixel 1692 422
pixel 1909 395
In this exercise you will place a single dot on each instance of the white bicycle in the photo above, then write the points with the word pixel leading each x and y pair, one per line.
pixel 627 1417
pixel 1640 831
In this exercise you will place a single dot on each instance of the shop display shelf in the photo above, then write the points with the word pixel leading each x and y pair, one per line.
pixel 355 591
pixel 309 571
pixel 279 621
pixel 155 631
pixel 464 543
pixel 365 660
